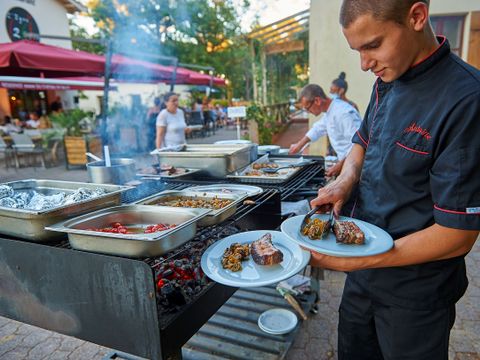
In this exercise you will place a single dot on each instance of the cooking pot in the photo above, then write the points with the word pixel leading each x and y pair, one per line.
pixel 121 171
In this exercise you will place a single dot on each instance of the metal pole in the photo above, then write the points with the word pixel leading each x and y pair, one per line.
pixel 106 88
pixel 174 75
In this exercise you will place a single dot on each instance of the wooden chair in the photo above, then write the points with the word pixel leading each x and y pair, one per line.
pixel 23 146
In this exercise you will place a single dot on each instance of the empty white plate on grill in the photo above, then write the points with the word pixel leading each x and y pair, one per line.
pixel 377 240
pixel 248 190
pixel 252 274
pixel 277 321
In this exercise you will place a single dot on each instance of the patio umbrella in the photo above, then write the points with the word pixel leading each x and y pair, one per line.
pixel 196 78
pixel 33 59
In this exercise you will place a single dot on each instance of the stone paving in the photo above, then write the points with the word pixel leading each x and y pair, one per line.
pixel 317 338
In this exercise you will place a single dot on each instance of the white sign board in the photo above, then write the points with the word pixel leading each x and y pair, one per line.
pixel 236 111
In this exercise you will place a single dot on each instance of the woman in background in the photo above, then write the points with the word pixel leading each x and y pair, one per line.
pixel 171 125
pixel 338 89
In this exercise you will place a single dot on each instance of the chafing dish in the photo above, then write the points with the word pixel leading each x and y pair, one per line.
pixel 30 224
pixel 216 216
pixel 265 178
pixel 214 160
pixel 132 245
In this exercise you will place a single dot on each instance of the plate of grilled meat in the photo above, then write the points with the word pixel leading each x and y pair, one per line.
pixel 343 237
pixel 253 258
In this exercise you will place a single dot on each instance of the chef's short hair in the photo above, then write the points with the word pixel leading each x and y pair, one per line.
pixel 384 10
pixel 311 91
pixel 168 95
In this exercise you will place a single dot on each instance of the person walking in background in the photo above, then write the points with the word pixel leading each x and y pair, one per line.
pixel 340 123
pixel 152 115
pixel 414 164
pixel 338 90
pixel 171 125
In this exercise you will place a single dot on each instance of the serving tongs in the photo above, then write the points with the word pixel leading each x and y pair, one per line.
pixel 298 164
pixel 328 226
pixel 307 217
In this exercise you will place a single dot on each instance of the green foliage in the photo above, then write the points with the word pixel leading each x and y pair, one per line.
pixel 267 125
pixel 70 120
pixel 77 31
pixel 201 32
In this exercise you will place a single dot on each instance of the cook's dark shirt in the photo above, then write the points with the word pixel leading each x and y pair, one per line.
pixel 421 135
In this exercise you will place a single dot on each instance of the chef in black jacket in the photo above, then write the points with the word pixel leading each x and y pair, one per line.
pixel 415 163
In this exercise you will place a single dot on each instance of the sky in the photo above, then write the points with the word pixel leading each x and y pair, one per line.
pixel 270 10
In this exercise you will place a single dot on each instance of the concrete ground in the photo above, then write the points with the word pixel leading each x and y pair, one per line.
pixel 317 338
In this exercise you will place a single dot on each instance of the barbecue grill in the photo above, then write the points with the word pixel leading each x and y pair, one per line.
pixel 147 307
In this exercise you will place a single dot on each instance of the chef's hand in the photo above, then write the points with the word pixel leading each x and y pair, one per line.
pixel 294 148
pixel 335 169
pixel 334 194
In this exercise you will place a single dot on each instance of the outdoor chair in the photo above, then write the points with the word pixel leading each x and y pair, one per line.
pixel 8 153
pixel 196 118
pixel 23 146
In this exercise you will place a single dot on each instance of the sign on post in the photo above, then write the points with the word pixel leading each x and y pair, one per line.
pixel 237 112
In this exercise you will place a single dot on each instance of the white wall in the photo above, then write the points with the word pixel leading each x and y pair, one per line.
pixel 50 16
pixel 330 53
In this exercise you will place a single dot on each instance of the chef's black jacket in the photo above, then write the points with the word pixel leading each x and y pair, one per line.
pixel 421 133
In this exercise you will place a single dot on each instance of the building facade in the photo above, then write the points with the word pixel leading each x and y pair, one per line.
pixel 45 17
pixel 330 53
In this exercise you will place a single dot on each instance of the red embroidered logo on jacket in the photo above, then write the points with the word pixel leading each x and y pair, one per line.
pixel 415 128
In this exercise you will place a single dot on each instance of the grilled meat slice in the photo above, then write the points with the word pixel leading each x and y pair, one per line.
pixel 347 232
pixel 264 253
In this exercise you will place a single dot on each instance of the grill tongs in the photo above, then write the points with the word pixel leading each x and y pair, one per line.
pixel 328 226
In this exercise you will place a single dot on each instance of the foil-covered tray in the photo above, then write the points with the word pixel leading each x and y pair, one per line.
pixel 30 224
pixel 216 216
pixel 246 175
pixel 82 236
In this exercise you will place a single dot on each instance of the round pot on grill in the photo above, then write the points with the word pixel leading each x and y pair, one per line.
pixel 121 171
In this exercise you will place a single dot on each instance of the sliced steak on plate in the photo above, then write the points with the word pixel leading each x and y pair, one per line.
pixel 264 252
pixel 347 232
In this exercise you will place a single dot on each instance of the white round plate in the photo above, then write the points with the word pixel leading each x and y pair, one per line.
pixel 228 189
pixel 252 274
pixel 377 240
pixel 277 321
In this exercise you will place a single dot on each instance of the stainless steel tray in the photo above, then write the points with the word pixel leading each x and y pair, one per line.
pixel 280 177
pixel 30 224
pixel 214 217
pixel 213 160
pixel 237 189
pixel 164 175
pixel 132 245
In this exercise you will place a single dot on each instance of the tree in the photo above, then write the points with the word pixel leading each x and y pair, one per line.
pixel 202 32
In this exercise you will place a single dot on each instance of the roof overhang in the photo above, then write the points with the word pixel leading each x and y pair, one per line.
pixel 72 6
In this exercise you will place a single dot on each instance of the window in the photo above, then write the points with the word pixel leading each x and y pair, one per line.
pixel 452 28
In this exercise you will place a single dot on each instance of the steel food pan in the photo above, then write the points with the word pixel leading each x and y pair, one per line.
pixel 214 217
pixel 132 245
pixel 164 173
pixel 213 160
pixel 278 178
pixel 30 224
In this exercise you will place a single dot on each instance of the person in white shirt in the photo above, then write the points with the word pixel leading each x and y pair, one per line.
pixel 171 125
pixel 33 122
pixel 340 122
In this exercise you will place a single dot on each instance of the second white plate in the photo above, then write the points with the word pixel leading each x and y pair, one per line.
pixel 252 274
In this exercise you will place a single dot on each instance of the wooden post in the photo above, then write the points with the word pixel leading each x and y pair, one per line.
pixel 474 43
pixel 263 60
pixel 254 71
